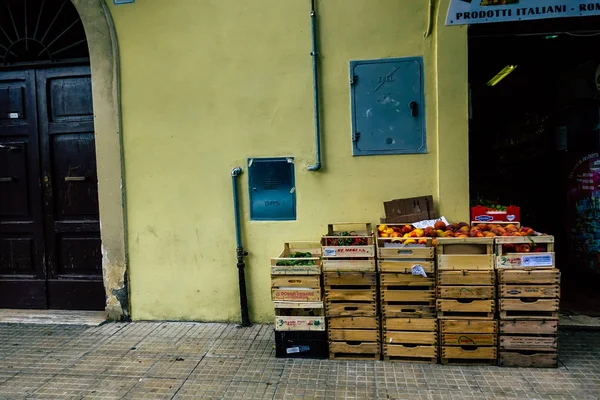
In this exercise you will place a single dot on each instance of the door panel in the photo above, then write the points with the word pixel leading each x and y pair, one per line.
pixel 22 272
pixel 73 255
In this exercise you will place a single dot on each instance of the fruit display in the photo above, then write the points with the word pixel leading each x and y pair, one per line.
pixel 347 239
pixel 404 233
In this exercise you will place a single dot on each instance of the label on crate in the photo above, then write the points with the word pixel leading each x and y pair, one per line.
pixel 329 253
pixel 297 349
pixel 418 269
pixel 349 251
pixel 537 260
pixel 541 260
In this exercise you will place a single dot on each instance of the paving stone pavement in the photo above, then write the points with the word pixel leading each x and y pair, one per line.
pixel 172 360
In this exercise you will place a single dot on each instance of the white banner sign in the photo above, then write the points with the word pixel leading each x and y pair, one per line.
pixel 463 12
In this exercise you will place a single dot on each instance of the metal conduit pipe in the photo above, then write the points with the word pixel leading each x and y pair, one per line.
pixel 240 252
pixel 313 22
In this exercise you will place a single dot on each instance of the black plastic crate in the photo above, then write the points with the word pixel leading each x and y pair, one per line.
pixel 301 344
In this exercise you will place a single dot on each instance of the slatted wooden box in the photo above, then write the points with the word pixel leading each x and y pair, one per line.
pixel 466 342
pixel 516 252
pixel 528 343
pixel 466 294
pixel 411 248
pixel 410 340
pixel 350 294
pixel 299 316
pixel 284 263
pixel 359 238
pixel 529 293
pixel 354 338
pixel 407 295
pixel 465 254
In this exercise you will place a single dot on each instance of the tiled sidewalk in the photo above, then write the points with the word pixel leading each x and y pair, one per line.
pixel 192 361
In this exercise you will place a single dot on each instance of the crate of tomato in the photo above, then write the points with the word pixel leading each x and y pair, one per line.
pixel 348 247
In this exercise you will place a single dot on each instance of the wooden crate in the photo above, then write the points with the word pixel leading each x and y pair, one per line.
pixel 299 316
pixel 299 323
pixel 405 267
pixel 529 327
pixel 536 343
pixel 350 287
pixel 410 324
pixel 354 335
pixel 465 254
pixel 354 323
pixel 354 338
pixel 468 326
pixel 527 359
pixel 468 355
pixel 410 353
pixel 528 308
pixel 466 277
pixel 349 279
pixel 528 343
pixel 410 339
pixel 351 309
pixel 333 294
pixel 466 292
pixel 529 277
pixel 394 310
pixel 285 257
pixel 348 265
pixel 403 248
pixel 407 295
pixel 357 351
pixel 537 291
pixel 296 294
pixel 523 259
pixel 296 281
pixel 468 342
pixel 360 231
pixel 405 280
pixel 465 309
pixel 469 339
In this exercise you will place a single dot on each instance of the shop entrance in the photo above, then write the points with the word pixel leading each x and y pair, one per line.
pixel 50 244
pixel 529 131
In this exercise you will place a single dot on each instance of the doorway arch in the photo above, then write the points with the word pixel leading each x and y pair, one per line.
pixel 24 51
pixel 104 61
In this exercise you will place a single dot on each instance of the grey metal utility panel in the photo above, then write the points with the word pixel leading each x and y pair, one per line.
pixel 272 189
pixel 388 106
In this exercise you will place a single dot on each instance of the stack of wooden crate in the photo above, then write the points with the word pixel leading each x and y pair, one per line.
pixel 466 302
pixel 407 295
pixel 529 291
pixel 350 281
pixel 297 297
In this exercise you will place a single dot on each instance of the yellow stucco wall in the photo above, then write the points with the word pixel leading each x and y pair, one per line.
pixel 207 84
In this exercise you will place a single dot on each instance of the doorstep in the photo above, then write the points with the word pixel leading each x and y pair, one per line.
pixel 579 321
pixel 52 317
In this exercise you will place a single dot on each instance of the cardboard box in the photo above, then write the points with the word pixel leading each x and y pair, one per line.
pixel 409 210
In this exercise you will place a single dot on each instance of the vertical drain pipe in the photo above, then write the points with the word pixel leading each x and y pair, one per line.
pixel 313 22
pixel 240 252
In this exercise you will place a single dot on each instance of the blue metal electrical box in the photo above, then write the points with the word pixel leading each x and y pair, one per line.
pixel 388 106
pixel 272 189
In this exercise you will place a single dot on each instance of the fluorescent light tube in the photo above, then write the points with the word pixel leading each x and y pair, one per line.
pixel 501 75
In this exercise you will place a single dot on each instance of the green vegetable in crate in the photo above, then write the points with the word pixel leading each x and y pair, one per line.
pixel 300 255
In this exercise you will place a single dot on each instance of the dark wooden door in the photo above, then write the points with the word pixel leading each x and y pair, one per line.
pixel 70 268
pixel 22 269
